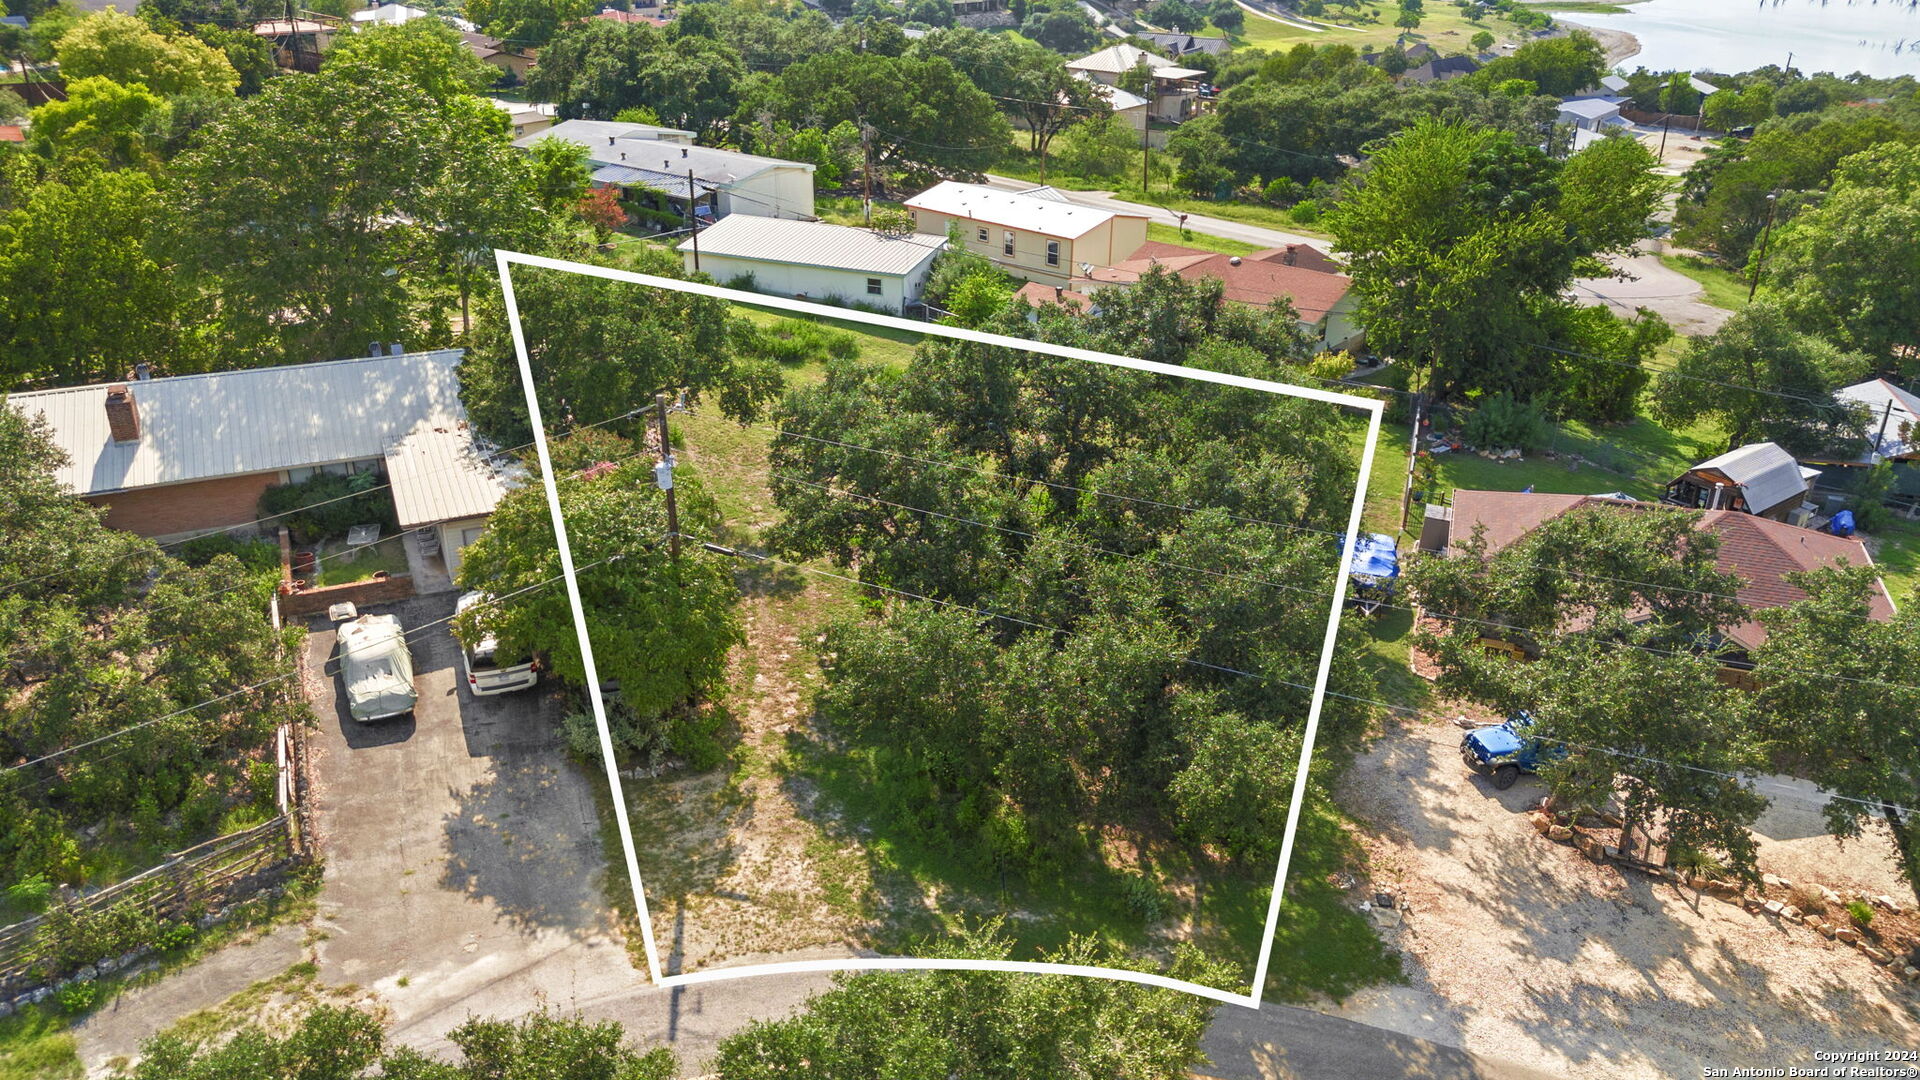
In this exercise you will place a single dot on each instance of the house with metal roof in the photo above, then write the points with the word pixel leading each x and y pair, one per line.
pixel 1761 479
pixel 1176 90
pixel 1039 234
pixel 814 260
pixel 192 454
pixel 1591 114
pixel 660 167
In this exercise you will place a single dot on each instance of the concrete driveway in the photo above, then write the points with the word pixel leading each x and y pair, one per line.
pixel 462 846
pixel 1649 284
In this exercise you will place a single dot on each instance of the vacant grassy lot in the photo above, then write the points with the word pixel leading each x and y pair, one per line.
pixel 1724 288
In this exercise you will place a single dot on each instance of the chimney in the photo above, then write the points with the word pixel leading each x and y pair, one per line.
pixel 1292 257
pixel 123 416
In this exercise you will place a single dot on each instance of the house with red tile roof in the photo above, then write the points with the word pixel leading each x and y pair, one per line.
pixel 1760 551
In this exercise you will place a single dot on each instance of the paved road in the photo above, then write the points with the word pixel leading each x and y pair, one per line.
pixel 1213 226
pixel 1676 297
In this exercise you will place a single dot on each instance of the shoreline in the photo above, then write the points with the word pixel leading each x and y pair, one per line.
pixel 1618 45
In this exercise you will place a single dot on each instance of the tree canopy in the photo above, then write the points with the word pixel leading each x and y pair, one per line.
pixel 1462 241
pixel 314 254
pixel 125 49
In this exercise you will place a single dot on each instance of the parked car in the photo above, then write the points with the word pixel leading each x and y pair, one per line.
pixel 485 673
pixel 375 667
pixel 1504 751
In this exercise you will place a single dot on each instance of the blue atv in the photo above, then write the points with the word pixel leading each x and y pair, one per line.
pixel 1504 751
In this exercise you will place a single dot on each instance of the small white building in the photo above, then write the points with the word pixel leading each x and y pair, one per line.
pixel 1175 90
pixel 656 162
pixel 1591 114
pixel 815 260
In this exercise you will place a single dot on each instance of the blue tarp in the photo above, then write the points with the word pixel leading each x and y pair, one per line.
pixel 1376 559
pixel 1841 523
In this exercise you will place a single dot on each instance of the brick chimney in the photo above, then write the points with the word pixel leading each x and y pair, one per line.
pixel 123 416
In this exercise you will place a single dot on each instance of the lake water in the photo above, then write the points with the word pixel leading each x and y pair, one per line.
pixel 1841 36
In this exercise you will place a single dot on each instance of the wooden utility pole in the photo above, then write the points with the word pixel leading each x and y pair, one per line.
pixel 693 215
pixel 866 170
pixel 663 476
pixel 1146 125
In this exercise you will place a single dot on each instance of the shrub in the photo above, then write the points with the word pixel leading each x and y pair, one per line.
pixel 30 893
pixel 744 282
pixel 1305 213
pixel 253 554
pixel 1870 511
pixel 1144 900
pixel 174 936
pixel 76 998
pixel 1860 912
pixel 327 505
pixel 1501 423
pixel 1697 862
pixel 1807 898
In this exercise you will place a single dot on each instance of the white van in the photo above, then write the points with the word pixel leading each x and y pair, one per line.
pixel 484 675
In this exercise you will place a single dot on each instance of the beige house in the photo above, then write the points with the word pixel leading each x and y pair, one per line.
pixel 1037 234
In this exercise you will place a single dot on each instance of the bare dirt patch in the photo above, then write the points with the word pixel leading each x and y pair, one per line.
pixel 1521 949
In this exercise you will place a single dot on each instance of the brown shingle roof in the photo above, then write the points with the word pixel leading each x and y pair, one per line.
pixel 1304 275
pixel 1760 551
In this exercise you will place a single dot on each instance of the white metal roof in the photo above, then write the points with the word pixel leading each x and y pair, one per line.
pixel 1615 83
pixel 1115 59
pixel 234 423
pixel 643 146
pixel 1121 100
pixel 441 472
pixel 816 243
pixel 1765 473
pixel 1593 108
pixel 588 133
pixel 1012 210
pixel 1893 416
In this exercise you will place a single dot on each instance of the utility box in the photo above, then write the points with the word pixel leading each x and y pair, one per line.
pixel 1436 528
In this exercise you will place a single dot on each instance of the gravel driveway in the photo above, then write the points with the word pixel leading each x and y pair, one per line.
pixel 1520 949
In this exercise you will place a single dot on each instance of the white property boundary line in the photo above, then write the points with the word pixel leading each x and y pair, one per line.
pixel 1374 409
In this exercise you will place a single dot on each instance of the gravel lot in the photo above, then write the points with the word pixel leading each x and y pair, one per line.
pixel 1518 948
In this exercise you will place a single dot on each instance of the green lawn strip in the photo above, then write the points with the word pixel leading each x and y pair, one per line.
pixel 1167 234
pixel 1899 558
pixel 848 209
pixel 341 568
pixel 36 1045
pixel 1724 288
pixel 884 344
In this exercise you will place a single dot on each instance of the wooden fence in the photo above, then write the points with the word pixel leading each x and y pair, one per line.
pixel 107 929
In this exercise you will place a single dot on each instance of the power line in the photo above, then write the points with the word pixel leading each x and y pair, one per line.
pixel 719 549
pixel 1057 485
pixel 63 751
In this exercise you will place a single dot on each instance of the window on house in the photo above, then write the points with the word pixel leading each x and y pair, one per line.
pixel 983 234
pixel 1006 245
pixel 1053 253
pixel 873 286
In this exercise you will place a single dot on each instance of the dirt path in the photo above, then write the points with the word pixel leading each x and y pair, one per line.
pixel 757 875
pixel 1520 949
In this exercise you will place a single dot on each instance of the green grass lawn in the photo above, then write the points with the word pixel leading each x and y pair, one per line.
pixel 1899 558
pixel 1442 26
pixel 36 1045
pixel 340 568
pixel 1168 234
pixel 1724 288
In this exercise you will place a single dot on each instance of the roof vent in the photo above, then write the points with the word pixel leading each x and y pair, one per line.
pixel 396 349
pixel 683 151
pixel 142 371
pixel 1233 261
pixel 123 415
pixel 609 140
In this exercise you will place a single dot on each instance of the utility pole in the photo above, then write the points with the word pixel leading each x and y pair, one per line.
pixel 1413 455
pixel 1146 124
pixel 866 170
pixel 663 475
pixel 1760 261
pixel 693 214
